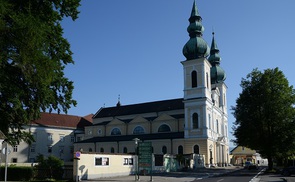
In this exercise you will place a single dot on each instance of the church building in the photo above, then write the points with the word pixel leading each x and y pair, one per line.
pixel 196 124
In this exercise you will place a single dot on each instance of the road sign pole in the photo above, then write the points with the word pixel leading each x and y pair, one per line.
pixel 6 159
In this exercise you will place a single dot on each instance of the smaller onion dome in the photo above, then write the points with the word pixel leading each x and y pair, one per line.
pixel 196 47
pixel 217 73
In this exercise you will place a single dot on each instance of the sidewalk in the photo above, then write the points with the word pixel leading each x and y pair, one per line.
pixel 266 177
pixel 174 176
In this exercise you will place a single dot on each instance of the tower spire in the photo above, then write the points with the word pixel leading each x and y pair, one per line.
pixel 118 103
pixel 196 47
pixel 217 73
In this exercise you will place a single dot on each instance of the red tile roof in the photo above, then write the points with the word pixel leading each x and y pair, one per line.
pixel 63 120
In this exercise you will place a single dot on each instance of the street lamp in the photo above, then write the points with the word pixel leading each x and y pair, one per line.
pixel 136 140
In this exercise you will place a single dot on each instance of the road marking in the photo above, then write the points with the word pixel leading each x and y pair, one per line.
pixel 220 180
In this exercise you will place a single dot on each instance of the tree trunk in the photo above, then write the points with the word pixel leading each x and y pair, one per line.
pixel 270 163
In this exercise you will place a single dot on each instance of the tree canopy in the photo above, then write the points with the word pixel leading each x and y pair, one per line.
pixel 265 114
pixel 33 55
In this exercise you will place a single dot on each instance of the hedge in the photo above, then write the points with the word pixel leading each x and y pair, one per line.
pixel 17 173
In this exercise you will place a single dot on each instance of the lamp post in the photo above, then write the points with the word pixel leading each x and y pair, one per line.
pixel 136 140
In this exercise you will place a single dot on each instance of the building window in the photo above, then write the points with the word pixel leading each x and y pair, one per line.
pixel 128 161
pixel 116 131
pixel 159 160
pixel 35 137
pixel 101 161
pixel 164 128
pixel 209 116
pixel 196 149
pixel 49 149
pixel 164 150
pixel 125 150
pixel 138 130
pixel 194 79
pixel 207 80
pixel 99 132
pixel 61 138
pixel 50 137
pixel 15 148
pixel 217 128
pixel 195 121
pixel 71 149
pixel 79 138
pixel 72 138
pixel 112 150
pixel 90 149
pixel 14 160
pixel 180 149
pixel 32 160
pixel 33 149
pixel 61 149
pixel 101 150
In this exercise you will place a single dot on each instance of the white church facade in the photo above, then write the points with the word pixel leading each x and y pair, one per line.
pixel 196 124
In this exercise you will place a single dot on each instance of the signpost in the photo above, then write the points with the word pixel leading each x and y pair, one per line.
pixel 145 156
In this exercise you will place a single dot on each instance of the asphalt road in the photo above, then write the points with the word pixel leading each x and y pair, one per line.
pixel 243 175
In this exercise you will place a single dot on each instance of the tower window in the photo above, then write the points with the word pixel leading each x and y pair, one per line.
pixel 207 80
pixel 194 79
pixel 195 121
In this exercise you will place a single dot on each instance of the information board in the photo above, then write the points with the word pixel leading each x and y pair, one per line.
pixel 145 155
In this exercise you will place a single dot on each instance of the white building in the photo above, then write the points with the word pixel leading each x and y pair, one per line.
pixel 54 134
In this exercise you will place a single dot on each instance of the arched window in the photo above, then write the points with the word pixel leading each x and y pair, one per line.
pixel 195 121
pixel 209 116
pixel 207 80
pixel 164 149
pixel 101 150
pixel 125 150
pixel 116 131
pixel 194 79
pixel 138 130
pixel 217 128
pixel 164 128
pixel 196 149
pixel 180 149
pixel 112 150
pixel 90 149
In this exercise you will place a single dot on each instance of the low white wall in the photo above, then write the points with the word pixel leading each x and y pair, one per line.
pixel 92 166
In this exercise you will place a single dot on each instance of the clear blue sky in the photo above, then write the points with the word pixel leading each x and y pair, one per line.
pixel 134 48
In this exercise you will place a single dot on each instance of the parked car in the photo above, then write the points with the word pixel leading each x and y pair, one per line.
pixel 288 171
pixel 249 165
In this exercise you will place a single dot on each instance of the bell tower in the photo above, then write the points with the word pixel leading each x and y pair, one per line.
pixel 197 82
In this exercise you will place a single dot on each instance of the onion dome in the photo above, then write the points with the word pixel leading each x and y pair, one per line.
pixel 217 73
pixel 196 47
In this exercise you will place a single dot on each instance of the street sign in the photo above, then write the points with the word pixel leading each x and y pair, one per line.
pixel 77 154
pixel 145 154
pixel 4 150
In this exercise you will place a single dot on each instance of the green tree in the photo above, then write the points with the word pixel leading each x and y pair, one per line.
pixel 264 114
pixel 33 55
pixel 51 168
